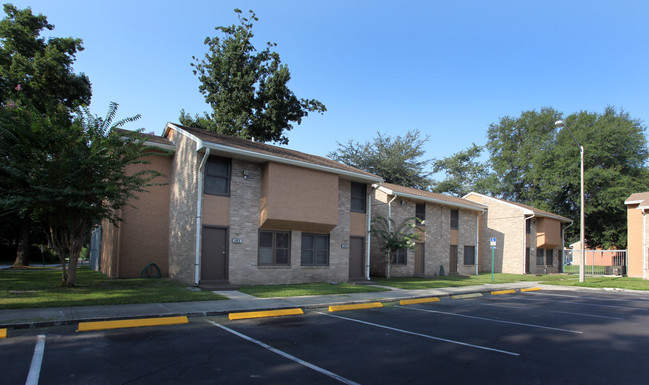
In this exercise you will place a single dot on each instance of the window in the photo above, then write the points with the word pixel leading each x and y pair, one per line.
pixel 217 176
pixel 315 249
pixel 549 256
pixel 401 257
pixel 455 219
pixel 274 247
pixel 528 226
pixel 420 212
pixel 469 255
pixel 540 256
pixel 359 197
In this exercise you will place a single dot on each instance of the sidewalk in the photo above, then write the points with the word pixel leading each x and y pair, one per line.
pixel 237 302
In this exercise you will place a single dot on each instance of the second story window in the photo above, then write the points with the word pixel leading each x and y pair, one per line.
pixel 359 197
pixel 420 213
pixel 455 219
pixel 217 176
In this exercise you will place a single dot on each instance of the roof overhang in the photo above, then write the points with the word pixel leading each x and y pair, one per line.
pixel 257 157
pixel 431 200
pixel 526 211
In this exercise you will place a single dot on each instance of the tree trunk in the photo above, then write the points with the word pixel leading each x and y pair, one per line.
pixel 23 251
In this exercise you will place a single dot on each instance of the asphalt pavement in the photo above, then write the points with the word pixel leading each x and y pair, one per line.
pixel 236 302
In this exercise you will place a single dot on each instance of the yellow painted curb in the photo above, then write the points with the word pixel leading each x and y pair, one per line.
pixel 131 323
pixel 370 305
pixel 463 296
pixel 531 289
pixel 3 333
pixel 267 313
pixel 498 292
pixel 418 300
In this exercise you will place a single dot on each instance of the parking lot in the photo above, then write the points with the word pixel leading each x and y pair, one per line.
pixel 542 337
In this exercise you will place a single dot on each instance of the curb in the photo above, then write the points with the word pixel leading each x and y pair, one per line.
pixel 66 322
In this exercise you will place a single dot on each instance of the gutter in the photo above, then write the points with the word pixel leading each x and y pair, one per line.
pixel 525 245
pixel 477 241
pixel 369 229
pixel 199 210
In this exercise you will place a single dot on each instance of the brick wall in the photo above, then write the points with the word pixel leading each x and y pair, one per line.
pixel 182 209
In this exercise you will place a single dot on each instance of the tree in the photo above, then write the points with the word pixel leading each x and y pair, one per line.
pixel 392 238
pixel 464 173
pixel 36 76
pixel 247 89
pixel 397 160
pixel 76 174
pixel 536 165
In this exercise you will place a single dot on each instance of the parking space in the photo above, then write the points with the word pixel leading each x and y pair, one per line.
pixel 523 338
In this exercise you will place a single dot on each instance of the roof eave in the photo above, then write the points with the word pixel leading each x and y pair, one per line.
pixel 432 200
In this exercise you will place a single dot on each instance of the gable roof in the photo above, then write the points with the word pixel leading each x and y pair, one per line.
pixel 427 196
pixel 149 139
pixel 641 199
pixel 527 210
pixel 240 148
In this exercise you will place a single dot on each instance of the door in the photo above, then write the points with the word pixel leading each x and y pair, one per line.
pixel 214 254
pixel 356 254
pixel 452 260
pixel 419 259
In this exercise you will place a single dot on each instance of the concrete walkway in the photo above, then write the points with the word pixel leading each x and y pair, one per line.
pixel 237 302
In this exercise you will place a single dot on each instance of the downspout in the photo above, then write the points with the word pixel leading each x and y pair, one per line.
pixel 199 210
pixel 644 245
pixel 563 245
pixel 477 241
pixel 525 245
pixel 369 230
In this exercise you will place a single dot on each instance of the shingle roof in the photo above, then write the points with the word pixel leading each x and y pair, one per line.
pixel 641 198
pixel 270 150
pixel 431 196
pixel 148 137
pixel 537 212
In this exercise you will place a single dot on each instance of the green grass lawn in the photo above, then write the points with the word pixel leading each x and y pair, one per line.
pixel 319 288
pixel 550 279
pixel 37 287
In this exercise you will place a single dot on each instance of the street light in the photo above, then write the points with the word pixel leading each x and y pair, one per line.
pixel 582 265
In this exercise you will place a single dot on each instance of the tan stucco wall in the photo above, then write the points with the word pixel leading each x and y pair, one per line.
pixel 144 231
pixel 634 241
pixel 109 243
pixel 548 233
pixel 358 224
pixel 216 210
pixel 298 198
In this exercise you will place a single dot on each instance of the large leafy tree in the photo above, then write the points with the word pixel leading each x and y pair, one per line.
pixel 36 77
pixel 533 163
pixel 464 173
pixel 397 160
pixel 247 89
pixel 75 172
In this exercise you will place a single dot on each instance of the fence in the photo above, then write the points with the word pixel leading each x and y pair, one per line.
pixel 597 262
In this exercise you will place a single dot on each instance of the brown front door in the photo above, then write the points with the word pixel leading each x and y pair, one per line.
pixel 419 260
pixel 452 260
pixel 356 254
pixel 214 254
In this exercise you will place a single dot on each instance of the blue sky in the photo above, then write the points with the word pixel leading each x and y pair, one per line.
pixel 447 68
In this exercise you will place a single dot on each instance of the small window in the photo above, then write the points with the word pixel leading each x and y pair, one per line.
pixel 274 248
pixel 540 256
pixel 420 213
pixel 315 249
pixel 549 257
pixel 469 255
pixel 455 219
pixel 359 197
pixel 217 176
pixel 528 226
pixel 401 256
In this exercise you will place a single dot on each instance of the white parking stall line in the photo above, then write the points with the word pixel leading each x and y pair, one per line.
pixel 286 355
pixel 591 304
pixel 595 298
pixel 493 320
pixel 422 335
pixel 585 315
pixel 37 361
